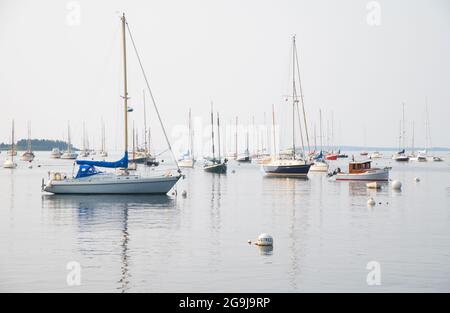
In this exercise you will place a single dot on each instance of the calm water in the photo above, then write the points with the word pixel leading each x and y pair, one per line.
pixel 324 234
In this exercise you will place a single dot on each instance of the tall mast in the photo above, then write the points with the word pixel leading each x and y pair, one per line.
pixel 293 97
pixel 236 136
pixel 145 123
pixel 320 129
pixel 12 142
pixel 273 131
pixel 84 137
pixel 212 132
pixel 403 126
pixel 69 148
pixel 218 136
pixel 134 147
pixel 190 136
pixel 412 148
pixel 125 91
pixel 301 94
pixel 29 136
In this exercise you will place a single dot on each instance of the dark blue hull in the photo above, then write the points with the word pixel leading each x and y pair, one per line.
pixel 287 170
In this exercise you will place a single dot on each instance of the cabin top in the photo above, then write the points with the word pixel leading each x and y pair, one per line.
pixel 358 166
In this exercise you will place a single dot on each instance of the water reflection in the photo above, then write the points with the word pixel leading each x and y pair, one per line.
pixel 215 205
pixel 99 213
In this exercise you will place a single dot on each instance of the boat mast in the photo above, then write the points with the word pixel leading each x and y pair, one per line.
pixel 145 123
pixel 403 127
pixel 273 132
pixel 133 143
pixel 125 91
pixel 12 142
pixel 412 148
pixel 236 136
pixel 84 137
pixel 320 129
pixel 212 132
pixel 29 136
pixel 190 137
pixel 293 98
pixel 301 95
pixel 218 136
pixel 69 148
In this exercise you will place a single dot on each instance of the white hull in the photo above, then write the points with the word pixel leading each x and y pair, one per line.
pixel 186 163
pixel 55 153
pixel 12 153
pixel 9 164
pixel 113 184
pixel 370 175
pixel 27 156
pixel 319 167
pixel 69 156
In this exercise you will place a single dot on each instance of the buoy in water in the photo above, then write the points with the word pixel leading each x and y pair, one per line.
pixel 264 240
pixel 184 193
pixel 249 241
pixel 30 166
pixel 370 202
pixel 233 171
pixel 396 185
pixel 373 185
pixel 417 179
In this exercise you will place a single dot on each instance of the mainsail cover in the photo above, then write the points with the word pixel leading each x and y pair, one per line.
pixel 122 163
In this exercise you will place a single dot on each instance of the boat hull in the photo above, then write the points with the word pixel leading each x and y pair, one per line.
pixel 293 170
pixel 372 175
pixel 216 168
pixel 186 163
pixel 118 185
pixel 27 156
pixel 319 167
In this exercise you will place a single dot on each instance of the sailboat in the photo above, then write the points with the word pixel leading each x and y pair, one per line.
pixel 89 180
pixel 263 156
pixel 401 156
pixel 9 163
pixel 55 153
pixel 214 165
pixel 28 155
pixel 84 153
pixel 294 166
pixel 103 153
pixel 244 157
pixel 12 151
pixel 69 154
pixel 187 159
pixel 319 165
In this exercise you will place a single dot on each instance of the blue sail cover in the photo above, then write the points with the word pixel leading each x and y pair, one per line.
pixel 319 156
pixel 122 163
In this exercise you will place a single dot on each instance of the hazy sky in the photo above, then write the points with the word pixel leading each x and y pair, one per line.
pixel 60 61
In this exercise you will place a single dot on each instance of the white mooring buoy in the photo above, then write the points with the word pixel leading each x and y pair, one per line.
pixel 264 240
pixel 396 185
pixel 184 193
pixel 417 179
pixel 370 202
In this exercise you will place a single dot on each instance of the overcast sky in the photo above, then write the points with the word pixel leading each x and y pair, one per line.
pixel 60 61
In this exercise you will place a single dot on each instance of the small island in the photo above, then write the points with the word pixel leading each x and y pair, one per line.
pixel 38 145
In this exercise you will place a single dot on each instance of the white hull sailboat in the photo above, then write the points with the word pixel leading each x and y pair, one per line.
pixel 55 153
pixel 112 183
pixel 91 181
pixel 69 154
pixel 293 167
pixel 28 155
pixel 187 160
pixel 10 162
pixel 319 166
